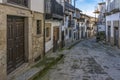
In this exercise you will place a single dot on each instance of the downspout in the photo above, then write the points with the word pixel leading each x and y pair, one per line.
pixel 44 37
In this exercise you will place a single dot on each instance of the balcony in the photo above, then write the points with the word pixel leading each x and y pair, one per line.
pixel 66 12
pixel 82 20
pixel 23 3
pixel 76 15
pixel 113 7
pixel 115 10
pixel 71 23
pixel 107 13
pixel 54 10
pixel 69 7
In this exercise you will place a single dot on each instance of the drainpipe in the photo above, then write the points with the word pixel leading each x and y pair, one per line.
pixel 74 20
pixel 44 37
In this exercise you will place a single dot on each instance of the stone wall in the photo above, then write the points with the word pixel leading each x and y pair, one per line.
pixel 37 39
pixel 53 23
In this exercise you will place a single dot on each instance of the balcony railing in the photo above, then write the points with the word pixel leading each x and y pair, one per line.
pixel 53 10
pixel 23 3
pixel 107 13
pixel 69 7
pixel 82 20
pixel 115 10
pixel 76 15
pixel 114 7
pixel 71 23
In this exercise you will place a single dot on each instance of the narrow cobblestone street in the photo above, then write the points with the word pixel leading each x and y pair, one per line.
pixel 88 60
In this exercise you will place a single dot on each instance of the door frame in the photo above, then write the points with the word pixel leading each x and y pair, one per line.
pixel 109 33
pixel 56 38
pixel 26 38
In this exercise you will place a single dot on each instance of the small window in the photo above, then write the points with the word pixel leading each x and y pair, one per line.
pixel 57 33
pixel 39 30
pixel 19 2
pixel 47 32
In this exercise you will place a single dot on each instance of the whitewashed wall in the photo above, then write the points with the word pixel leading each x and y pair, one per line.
pixel 113 17
pixel 1 1
pixel 37 5
pixel 49 44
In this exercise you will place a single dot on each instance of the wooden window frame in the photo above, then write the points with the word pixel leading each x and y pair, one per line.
pixel 48 33
pixel 39 27
pixel 24 3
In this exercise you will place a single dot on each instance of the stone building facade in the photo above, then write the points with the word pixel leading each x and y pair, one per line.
pixel 20 40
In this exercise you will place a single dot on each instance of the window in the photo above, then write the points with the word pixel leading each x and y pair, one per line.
pixel 39 30
pixel 19 2
pixel 47 32
pixel 70 33
pixel 66 32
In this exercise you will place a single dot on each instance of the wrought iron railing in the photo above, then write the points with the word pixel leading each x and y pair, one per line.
pixel 53 9
pixel 19 2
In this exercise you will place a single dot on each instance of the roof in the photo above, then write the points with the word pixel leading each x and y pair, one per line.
pixel 78 10
pixel 101 3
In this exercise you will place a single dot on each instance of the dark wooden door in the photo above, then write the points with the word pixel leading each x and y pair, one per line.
pixel 109 33
pixel 116 36
pixel 55 38
pixel 82 32
pixel 15 42
pixel 63 40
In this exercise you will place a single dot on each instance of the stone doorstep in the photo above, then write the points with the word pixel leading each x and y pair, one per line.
pixel 29 74
pixel 24 72
pixel 21 71
pixel 18 71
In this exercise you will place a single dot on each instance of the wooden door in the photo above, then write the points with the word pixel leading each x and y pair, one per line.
pixel 15 42
pixel 63 39
pixel 109 33
pixel 82 32
pixel 116 36
pixel 55 38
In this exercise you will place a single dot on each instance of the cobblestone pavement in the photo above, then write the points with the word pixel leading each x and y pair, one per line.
pixel 88 60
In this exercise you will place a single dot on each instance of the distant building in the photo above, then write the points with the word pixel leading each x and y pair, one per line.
pixel 101 17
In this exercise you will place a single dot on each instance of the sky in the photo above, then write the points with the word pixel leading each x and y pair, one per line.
pixel 87 6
